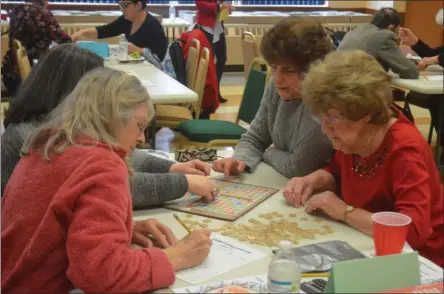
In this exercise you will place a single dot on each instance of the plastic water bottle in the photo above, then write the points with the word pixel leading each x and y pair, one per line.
pixel 172 12
pixel 123 48
pixel 284 273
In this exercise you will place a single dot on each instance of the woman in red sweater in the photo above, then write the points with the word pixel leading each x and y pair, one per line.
pixel 382 163
pixel 66 211
pixel 207 19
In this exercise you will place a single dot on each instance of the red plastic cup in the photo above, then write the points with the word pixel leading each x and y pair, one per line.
pixel 389 232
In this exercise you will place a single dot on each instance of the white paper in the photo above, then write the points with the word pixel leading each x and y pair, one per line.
pixel 257 284
pixel 226 254
pixel 147 83
pixel 429 272
pixel 434 78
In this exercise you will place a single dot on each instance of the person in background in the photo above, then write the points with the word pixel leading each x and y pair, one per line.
pixel 154 181
pixel 207 20
pixel 142 30
pixel 210 100
pixel 74 176
pixel 36 28
pixel 379 39
pixel 382 162
pixel 430 56
pixel 49 82
pixel 283 134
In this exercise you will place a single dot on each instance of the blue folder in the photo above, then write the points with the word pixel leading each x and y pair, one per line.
pixel 101 49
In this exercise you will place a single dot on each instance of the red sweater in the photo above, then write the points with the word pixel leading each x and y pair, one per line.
pixel 207 12
pixel 210 98
pixel 405 179
pixel 67 224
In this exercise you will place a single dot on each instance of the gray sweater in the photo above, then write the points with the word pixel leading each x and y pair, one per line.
pixel 150 185
pixel 299 145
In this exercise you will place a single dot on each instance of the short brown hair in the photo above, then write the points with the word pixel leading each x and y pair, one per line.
pixel 353 82
pixel 296 41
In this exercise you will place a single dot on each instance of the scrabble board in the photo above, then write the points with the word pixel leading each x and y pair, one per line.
pixel 233 201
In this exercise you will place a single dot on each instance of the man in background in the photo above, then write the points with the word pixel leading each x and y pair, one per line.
pixel 380 39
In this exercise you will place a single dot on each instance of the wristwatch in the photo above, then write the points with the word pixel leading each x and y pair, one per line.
pixel 348 210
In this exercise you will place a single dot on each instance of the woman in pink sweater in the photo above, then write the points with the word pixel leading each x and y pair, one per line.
pixel 66 211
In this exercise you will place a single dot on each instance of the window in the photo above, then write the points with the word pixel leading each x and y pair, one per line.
pixel 284 2
pixel 243 2
pixel 264 2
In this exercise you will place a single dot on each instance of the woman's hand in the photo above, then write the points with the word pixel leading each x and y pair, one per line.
pixel 193 167
pixel 407 37
pixel 298 191
pixel 202 186
pixel 133 48
pixel 75 37
pixel 191 250
pixel 230 166
pixel 426 61
pixel 160 234
pixel 329 203
pixel 226 5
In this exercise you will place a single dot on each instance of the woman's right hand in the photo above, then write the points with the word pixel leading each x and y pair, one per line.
pixel 407 36
pixel 191 250
pixel 225 5
pixel 298 191
pixel 229 166
pixel 74 37
pixel 202 186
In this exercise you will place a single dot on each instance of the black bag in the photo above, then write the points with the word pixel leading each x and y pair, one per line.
pixel 178 61
pixel 336 37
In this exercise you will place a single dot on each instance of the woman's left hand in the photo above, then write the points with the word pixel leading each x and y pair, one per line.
pixel 329 203
pixel 193 167
pixel 133 48
pixel 160 234
pixel 426 61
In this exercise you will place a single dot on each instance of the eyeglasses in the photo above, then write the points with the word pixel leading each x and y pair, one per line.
pixel 329 120
pixel 124 4
pixel 141 125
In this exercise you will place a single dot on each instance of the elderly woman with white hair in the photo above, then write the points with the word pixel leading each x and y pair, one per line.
pixel 382 162
pixel 66 211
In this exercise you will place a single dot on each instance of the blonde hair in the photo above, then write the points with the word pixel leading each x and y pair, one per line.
pixel 103 100
pixel 353 82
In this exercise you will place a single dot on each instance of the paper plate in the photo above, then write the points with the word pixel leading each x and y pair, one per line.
pixel 132 60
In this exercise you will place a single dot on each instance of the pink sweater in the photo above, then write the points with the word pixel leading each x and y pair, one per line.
pixel 67 224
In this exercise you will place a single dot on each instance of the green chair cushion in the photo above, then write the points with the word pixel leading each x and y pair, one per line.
pixel 204 131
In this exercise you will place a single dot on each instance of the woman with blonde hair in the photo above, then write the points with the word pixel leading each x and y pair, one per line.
pixel 155 180
pixel 66 212
pixel 382 163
